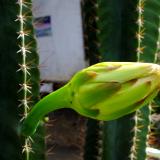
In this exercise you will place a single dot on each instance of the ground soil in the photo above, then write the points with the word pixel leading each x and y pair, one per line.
pixel 65 136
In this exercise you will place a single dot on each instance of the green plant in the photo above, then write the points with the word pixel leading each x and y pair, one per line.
pixel 91 43
pixel 117 42
pixel 9 141
pixel 28 77
pixel 95 92
pixel 147 50
pixel 127 29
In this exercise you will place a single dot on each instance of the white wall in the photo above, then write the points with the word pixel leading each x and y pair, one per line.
pixel 62 53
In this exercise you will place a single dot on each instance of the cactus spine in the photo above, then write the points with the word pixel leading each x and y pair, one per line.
pixel 140 32
pixel 141 116
pixel 147 51
pixel 29 81
pixel 25 68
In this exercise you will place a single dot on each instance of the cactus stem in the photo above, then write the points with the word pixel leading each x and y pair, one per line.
pixel 140 32
pixel 134 146
pixel 27 147
pixel 25 87
pixel 158 45
pixel 51 102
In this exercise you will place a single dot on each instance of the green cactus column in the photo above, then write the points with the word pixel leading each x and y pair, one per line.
pixel 9 140
pixel 89 12
pixel 116 42
pixel 29 80
pixel 147 34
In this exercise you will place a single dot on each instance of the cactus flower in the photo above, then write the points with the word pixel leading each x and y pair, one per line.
pixel 104 91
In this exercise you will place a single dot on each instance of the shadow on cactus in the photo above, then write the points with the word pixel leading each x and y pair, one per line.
pixel 104 91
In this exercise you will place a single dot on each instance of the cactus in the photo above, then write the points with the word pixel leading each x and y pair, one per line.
pixel 95 92
pixel 33 147
pixel 122 44
pixel 139 139
pixel 147 51
pixel 117 44
pixel 90 27
pixel 9 141
pixel 91 43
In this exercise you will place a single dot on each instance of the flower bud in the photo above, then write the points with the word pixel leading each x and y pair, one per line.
pixel 109 90
pixel 104 91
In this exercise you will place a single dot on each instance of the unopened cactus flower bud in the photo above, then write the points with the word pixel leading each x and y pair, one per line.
pixel 107 91
pixel 104 91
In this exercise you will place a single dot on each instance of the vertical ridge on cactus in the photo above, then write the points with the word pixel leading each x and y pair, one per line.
pixel 147 48
pixel 28 77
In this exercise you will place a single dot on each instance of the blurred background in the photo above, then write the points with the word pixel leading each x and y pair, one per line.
pixel 59 33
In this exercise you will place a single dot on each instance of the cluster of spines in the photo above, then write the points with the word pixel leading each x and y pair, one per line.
pixel 91 43
pixel 153 138
pixel 25 87
pixel 90 18
pixel 139 119
pixel 140 31
pixel 100 141
pixel 157 53
pixel 153 135
pixel 141 128
pixel 143 125
pixel 134 146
